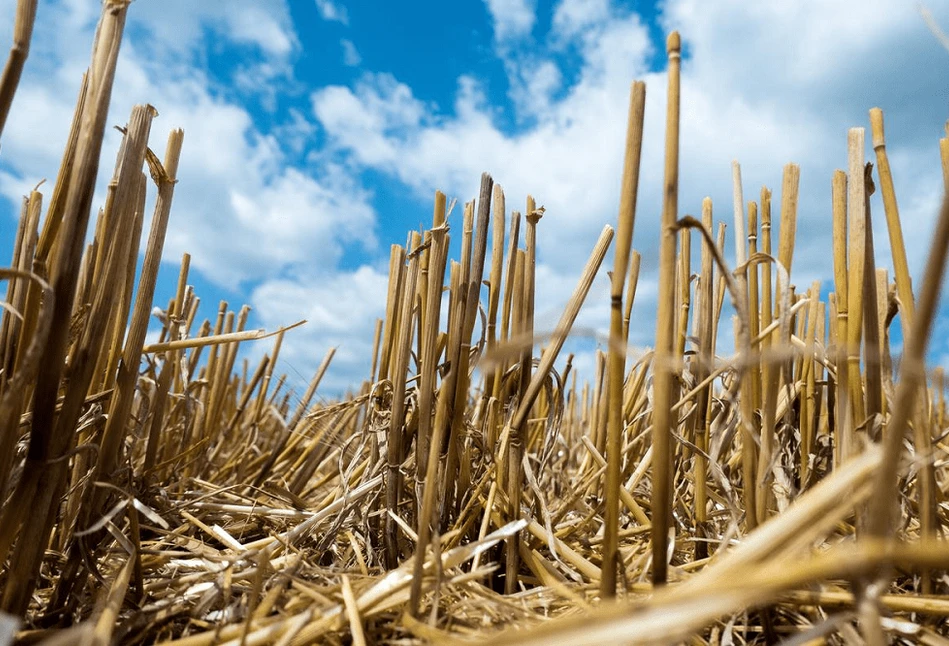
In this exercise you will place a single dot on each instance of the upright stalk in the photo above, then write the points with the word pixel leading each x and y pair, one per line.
pixel 617 351
pixel 663 417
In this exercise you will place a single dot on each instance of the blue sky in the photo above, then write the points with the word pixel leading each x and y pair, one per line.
pixel 316 132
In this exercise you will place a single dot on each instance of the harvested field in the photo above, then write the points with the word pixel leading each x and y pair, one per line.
pixel 473 487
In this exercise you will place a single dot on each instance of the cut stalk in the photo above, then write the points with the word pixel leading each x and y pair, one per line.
pixel 751 478
pixel 397 418
pixel 904 285
pixel 843 424
pixel 702 418
pixel 664 394
pixel 427 447
pixel 871 328
pixel 617 352
pixel 883 503
pixel 772 374
pixel 22 35
pixel 494 284
pixel 51 435
pixel 856 267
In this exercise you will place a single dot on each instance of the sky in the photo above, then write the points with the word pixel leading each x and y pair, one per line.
pixel 317 131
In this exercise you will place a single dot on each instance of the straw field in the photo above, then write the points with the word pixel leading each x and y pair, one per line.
pixel 473 487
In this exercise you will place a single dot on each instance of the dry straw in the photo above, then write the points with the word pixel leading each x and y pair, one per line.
pixel 474 487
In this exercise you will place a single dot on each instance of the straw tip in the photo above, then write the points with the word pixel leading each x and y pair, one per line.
pixel 876 126
pixel 673 43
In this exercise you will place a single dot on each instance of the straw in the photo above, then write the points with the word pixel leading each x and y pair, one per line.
pixel 470 489
pixel 665 328
pixel 624 237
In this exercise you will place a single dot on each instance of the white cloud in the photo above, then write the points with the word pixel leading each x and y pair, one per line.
pixel 181 24
pixel 296 133
pixel 364 120
pixel 572 17
pixel 512 19
pixel 785 93
pixel 241 208
pixel 332 11
pixel 784 90
pixel 533 87
pixel 341 310
pixel 266 81
pixel 351 57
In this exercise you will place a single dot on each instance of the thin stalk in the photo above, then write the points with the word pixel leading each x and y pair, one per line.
pixel 396 269
pixel 397 417
pixel 457 358
pixel 532 216
pixel 174 315
pixel 428 369
pixel 266 468
pixel 702 418
pixel 753 297
pixel 264 391
pixel 844 427
pixel 635 262
pixel 166 175
pixel 629 190
pixel 21 257
pixel 808 402
pixel 470 299
pixel 430 489
pixel 749 454
pixel 18 364
pixel 883 503
pixel 563 327
pixel 719 295
pixel 886 360
pixel 871 321
pixel 857 229
pixel 507 305
pixel 665 328
pixel 22 35
pixel 427 446
pixel 684 292
pixel 767 294
pixel 904 285
pixel 376 350
pixel 494 283
pixel 311 388
pixel 772 374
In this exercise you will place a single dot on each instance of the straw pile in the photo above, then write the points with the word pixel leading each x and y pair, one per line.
pixel 470 490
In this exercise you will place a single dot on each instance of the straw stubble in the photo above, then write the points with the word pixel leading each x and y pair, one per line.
pixel 173 491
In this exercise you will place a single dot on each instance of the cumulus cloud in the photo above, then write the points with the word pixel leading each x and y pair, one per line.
pixel 332 11
pixel 241 208
pixel 341 310
pixel 573 17
pixel 511 18
pixel 245 207
pixel 351 57
pixel 182 24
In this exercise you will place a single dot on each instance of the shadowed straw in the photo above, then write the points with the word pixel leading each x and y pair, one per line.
pixel 51 434
pixel 664 396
